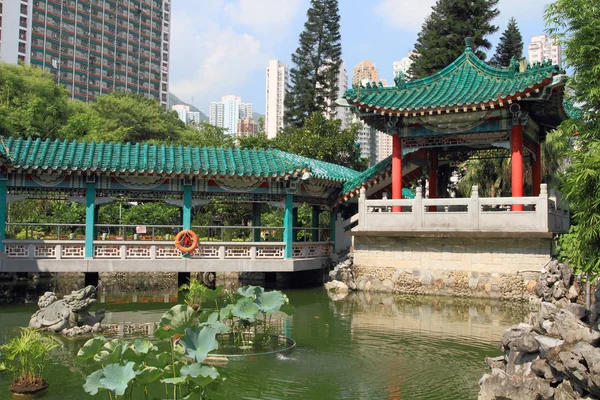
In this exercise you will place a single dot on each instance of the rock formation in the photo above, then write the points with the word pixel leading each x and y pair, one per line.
pixel 68 313
pixel 344 273
pixel 554 356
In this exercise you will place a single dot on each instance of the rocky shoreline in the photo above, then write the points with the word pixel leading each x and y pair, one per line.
pixel 556 354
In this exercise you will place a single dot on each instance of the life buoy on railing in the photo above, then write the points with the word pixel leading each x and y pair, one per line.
pixel 186 241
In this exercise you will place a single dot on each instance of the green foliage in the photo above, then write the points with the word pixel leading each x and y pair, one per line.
pixel 324 140
pixel 26 354
pixel 492 176
pixel 574 24
pixel 314 77
pixel 510 45
pixel 31 104
pixel 187 336
pixel 443 34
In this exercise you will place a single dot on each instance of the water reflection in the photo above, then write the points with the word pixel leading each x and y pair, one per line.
pixel 361 347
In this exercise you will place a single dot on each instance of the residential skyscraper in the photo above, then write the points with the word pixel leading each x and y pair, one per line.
pixel 92 46
pixel 277 80
pixel 182 111
pixel 227 113
pixel 403 65
pixel 215 115
pixel 543 48
pixel 365 71
pixel 247 127
pixel 368 141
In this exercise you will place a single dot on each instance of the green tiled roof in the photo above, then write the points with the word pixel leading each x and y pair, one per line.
pixel 376 171
pixel 467 82
pixel 62 155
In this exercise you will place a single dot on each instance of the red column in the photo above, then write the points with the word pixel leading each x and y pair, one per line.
pixel 516 144
pixel 396 171
pixel 433 179
pixel 536 171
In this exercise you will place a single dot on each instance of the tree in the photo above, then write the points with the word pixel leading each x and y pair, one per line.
pixel 324 140
pixel 126 117
pixel 574 24
pixel 510 45
pixel 442 36
pixel 31 103
pixel 314 86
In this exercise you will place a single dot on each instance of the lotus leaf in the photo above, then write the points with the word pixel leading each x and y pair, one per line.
pixel 225 312
pixel 201 374
pixel 208 317
pixel 91 348
pixel 173 369
pixel 112 352
pixel 117 377
pixel 250 291
pixel 143 346
pixel 246 309
pixel 178 380
pixel 149 375
pixel 212 320
pixel 175 321
pixel 270 302
pixel 92 383
pixel 161 360
pixel 199 342
pixel 210 293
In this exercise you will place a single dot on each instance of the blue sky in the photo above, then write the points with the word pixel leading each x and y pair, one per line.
pixel 222 47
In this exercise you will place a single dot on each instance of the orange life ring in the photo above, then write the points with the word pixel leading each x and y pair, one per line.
pixel 186 241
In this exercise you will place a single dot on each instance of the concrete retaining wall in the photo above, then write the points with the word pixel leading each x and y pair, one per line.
pixel 469 267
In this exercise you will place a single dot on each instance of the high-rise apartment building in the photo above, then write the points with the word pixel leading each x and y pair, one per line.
pixel 15 30
pixel 182 111
pixel 367 140
pixel 215 114
pixel 193 117
pixel 384 143
pixel 403 65
pixel 543 48
pixel 365 71
pixel 343 113
pixel 226 113
pixel 92 47
pixel 277 80
pixel 247 127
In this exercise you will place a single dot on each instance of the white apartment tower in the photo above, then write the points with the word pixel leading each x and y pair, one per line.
pixel 403 65
pixel 182 111
pixel 343 113
pixel 226 113
pixel 215 116
pixel 277 79
pixel 91 47
pixel 543 48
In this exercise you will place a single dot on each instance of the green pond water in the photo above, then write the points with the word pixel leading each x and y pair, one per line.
pixel 360 347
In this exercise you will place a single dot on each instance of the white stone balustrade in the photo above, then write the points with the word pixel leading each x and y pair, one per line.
pixel 542 214
pixel 157 250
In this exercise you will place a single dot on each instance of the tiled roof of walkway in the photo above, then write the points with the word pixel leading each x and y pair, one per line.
pixel 62 155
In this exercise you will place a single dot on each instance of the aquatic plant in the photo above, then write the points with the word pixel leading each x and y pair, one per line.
pixel 25 356
pixel 176 361
pixel 185 336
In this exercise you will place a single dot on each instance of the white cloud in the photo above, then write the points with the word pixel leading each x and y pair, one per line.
pixel 211 62
pixel 407 15
pixel 262 15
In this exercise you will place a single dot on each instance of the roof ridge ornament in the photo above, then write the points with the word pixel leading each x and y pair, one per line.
pixel 468 44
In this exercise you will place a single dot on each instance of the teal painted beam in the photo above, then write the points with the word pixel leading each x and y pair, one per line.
pixel 332 226
pixel 90 197
pixel 2 214
pixel 315 223
pixel 288 226
pixel 187 207
pixel 256 220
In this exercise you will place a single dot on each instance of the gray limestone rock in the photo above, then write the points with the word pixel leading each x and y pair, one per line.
pixel 543 290
pixel 336 286
pixel 547 311
pixel 573 292
pixel 577 309
pixel 542 369
pixel 546 343
pixel 496 362
pixel 525 343
pixel 566 274
pixel 567 326
pixel 559 290
pixel 512 333
pixel 580 363
pixel 501 386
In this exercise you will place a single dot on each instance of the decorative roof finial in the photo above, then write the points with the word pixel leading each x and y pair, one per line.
pixel 469 43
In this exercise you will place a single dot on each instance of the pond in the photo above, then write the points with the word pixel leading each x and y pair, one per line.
pixel 359 347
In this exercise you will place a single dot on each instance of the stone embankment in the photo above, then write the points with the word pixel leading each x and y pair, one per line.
pixel 556 354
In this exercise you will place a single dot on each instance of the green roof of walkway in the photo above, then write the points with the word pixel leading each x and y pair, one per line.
pixel 467 82
pixel 62 155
